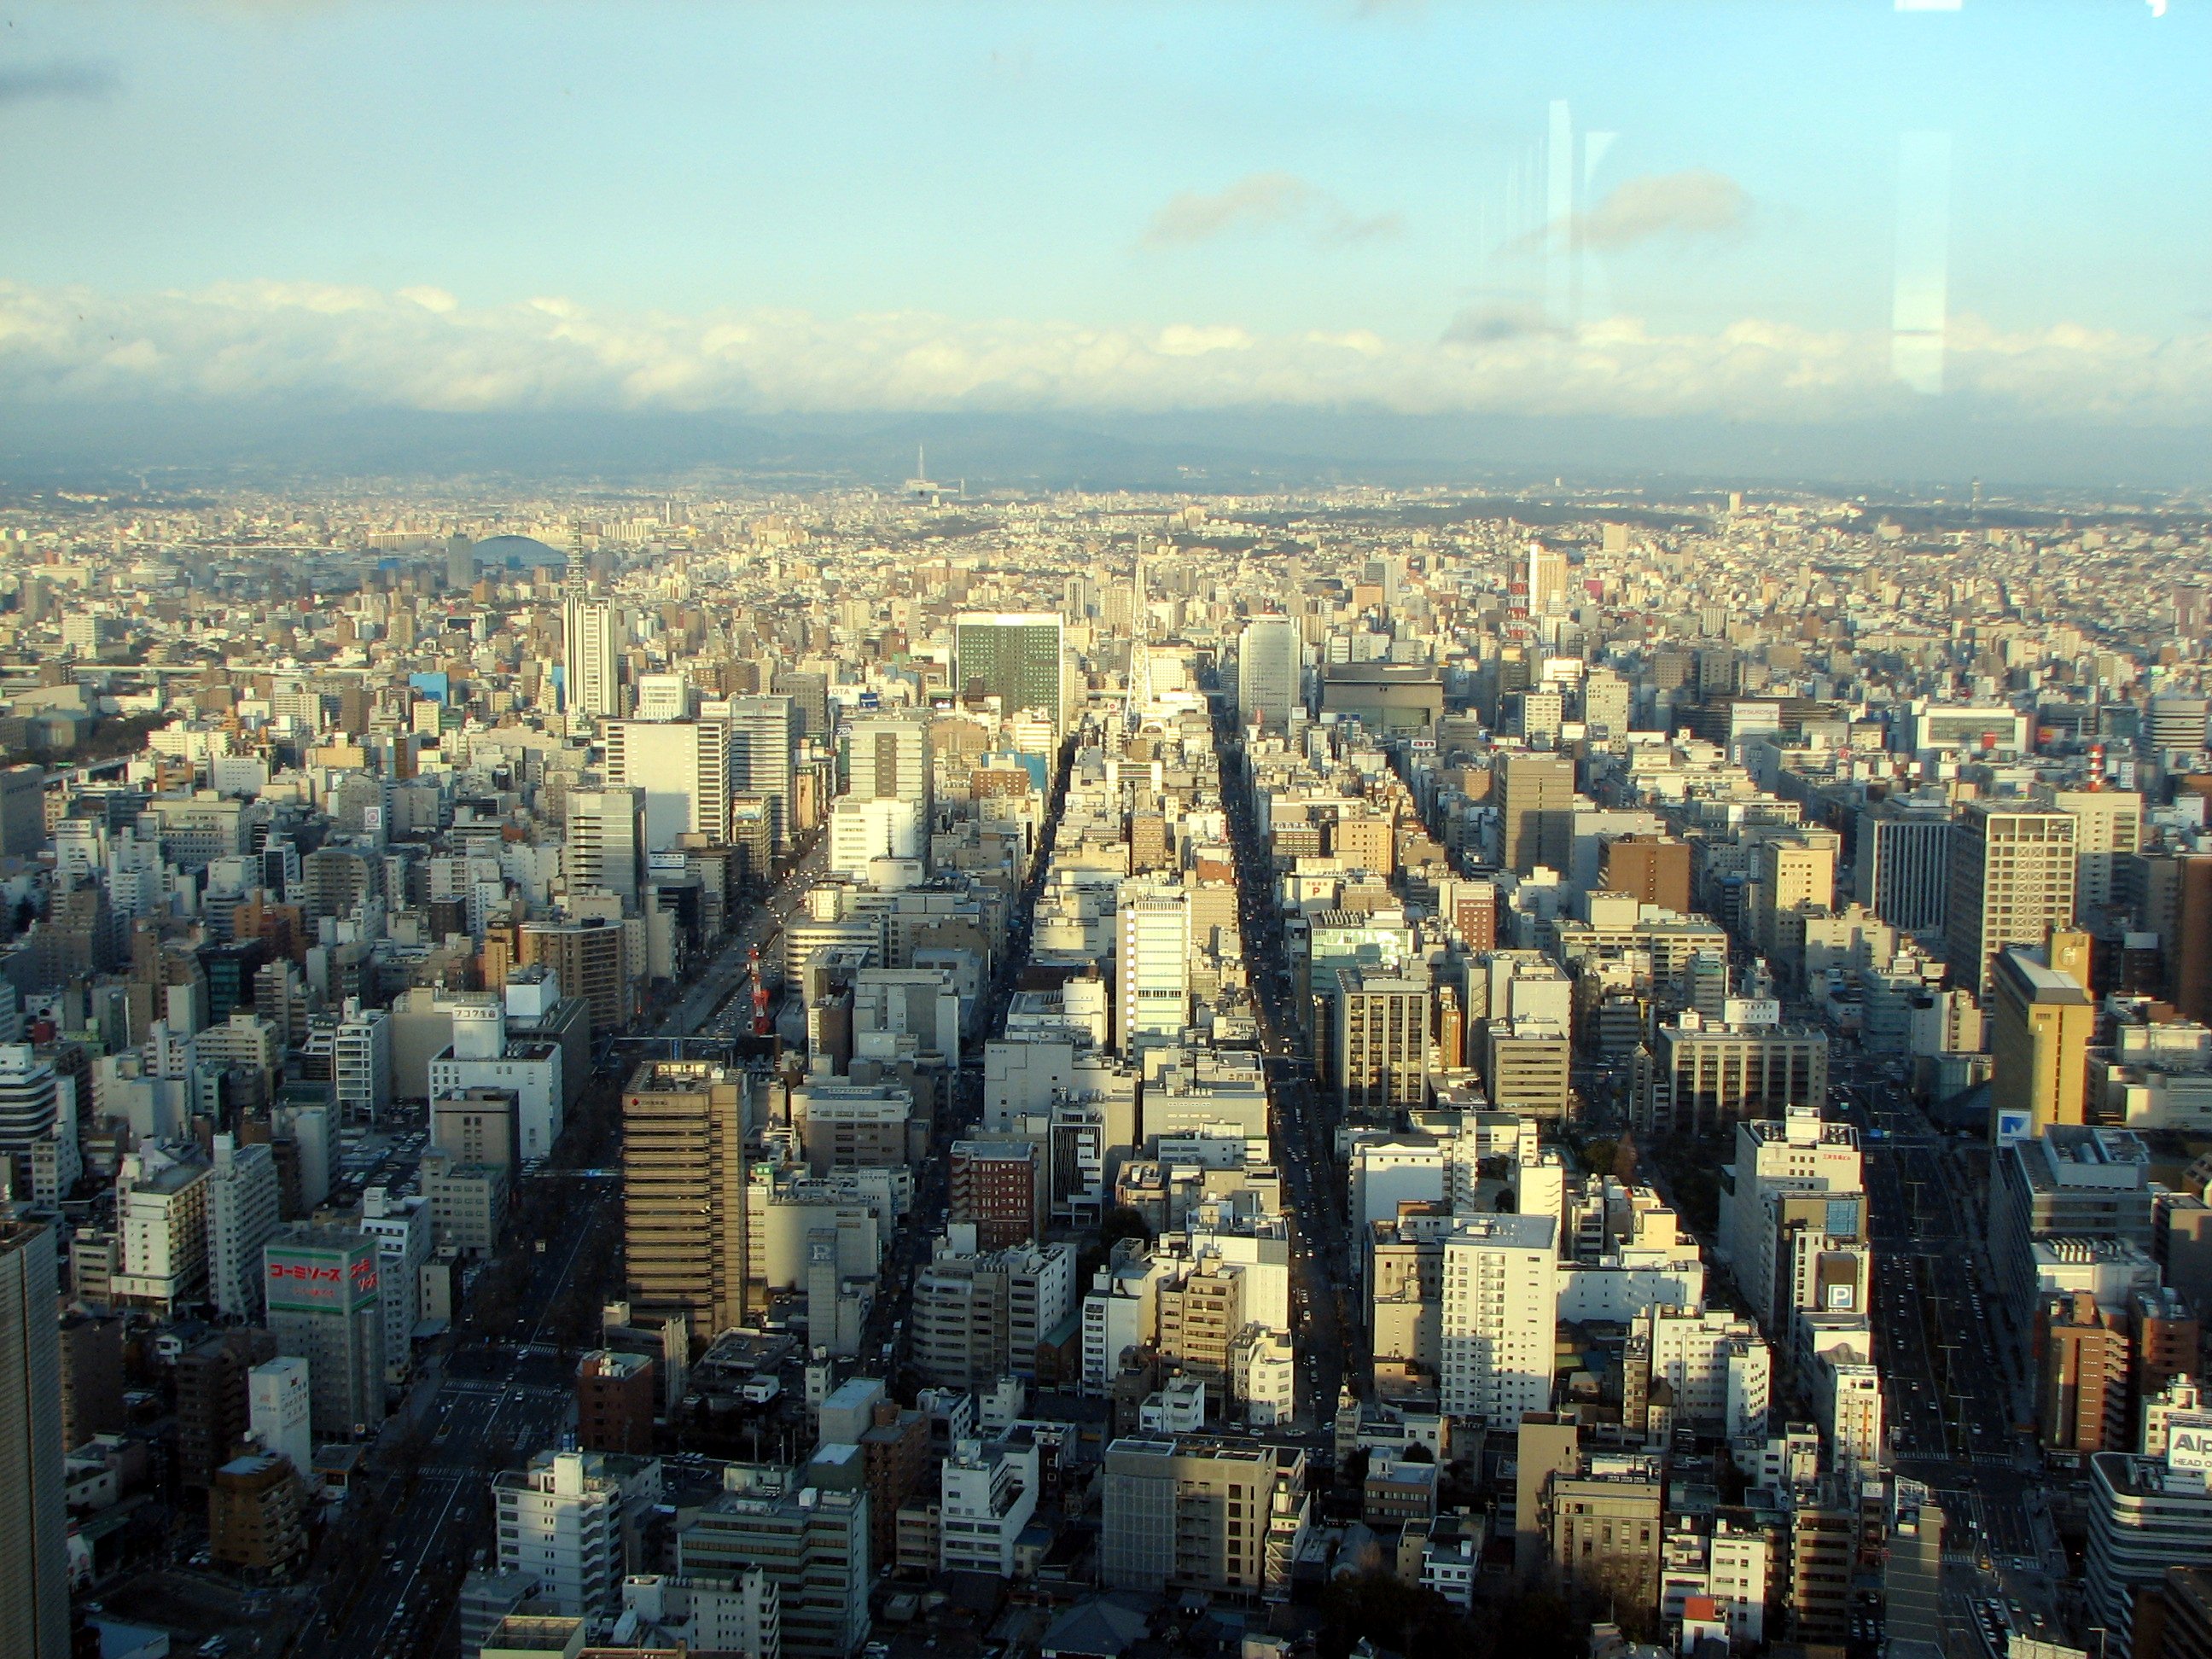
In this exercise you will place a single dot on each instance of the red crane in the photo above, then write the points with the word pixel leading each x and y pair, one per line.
pixel 761 1026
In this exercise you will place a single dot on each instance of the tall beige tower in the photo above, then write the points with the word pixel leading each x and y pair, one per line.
pixel 2013 871
pixel 684 1191
pixel 1536 811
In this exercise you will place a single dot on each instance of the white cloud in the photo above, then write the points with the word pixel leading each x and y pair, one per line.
pixel 1696 203
pixel 1260 201
pixel 344 347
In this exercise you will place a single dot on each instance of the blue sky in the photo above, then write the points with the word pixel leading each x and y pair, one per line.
pixel 1044 184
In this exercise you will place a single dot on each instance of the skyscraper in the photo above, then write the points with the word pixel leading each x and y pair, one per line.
pixel 1500 1302
pixel 606 840
pixel 683 1191
pixel 1548 580
pixel 243 1209
pixel 33 1547
pixel 2107 829
pixel 682 769
pixel 1903 861
pixel 1016 657
pixel 588 655
pixel 1267 672
pixel 887 758
pixel 2042 1020
pixel 1536 811
pixel 1153 965
pixel 763 733
pixel 2013 869
pixel 324 1307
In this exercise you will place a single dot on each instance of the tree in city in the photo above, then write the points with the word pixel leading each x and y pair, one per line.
pixel 1382 1607
pixel 1122 1222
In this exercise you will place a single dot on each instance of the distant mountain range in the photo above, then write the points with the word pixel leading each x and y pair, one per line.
pixel 1201 452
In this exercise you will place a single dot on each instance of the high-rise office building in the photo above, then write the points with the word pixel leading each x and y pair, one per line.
pixel 1500 1305
pixel 681 769
pixel 243 1209
pixel 2107 831
pixel 2146 1514
pixel 280 1407
pixel 1017 657
pixel 2175 892
pixel 1607 698
pixel 606 841
pixel 1702 1075
pixel 2176 725
pixel 28 1105
pixel 1379 1040
pixel 34 1619
pixel 1536 811
pixel 764 731
pixel 809 692
pixel 862 830
pixel 1267 672
pixel 1152 965
pixel 324 1305
pixel 683 1191
pixel 1218 1516
pixel 401 1229
pixel 560 1521
pixel 887 758
pixel 1548 580
pixel 590 649
pixel 361 1061
pixel 1903 861
pixel 2013 869
pixel 2042 1020
pixel 811 1542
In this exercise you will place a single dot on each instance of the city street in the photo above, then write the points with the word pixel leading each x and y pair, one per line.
pixel 1330 1340
pixel 1954 1403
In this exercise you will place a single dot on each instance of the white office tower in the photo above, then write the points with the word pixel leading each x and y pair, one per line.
pixel 606 846
pixel 1719 1367
pixel 1151 966
pixel 1267 672
pixel 762 733
pixel 589 652
pixel 1500 1306
pixel 665 698
pixel 681 771
pixel 2107 832
pixel 887 758
pixel 863 830
pixel 244 1211
pixel 402 1230
pixel 559 1523
pixel 34 1525
pixel 1799 1153
pixel 28 1105
pixel 361 1061
pixel 279 1409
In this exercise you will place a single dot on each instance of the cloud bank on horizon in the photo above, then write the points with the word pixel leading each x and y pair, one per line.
pixel 259 343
